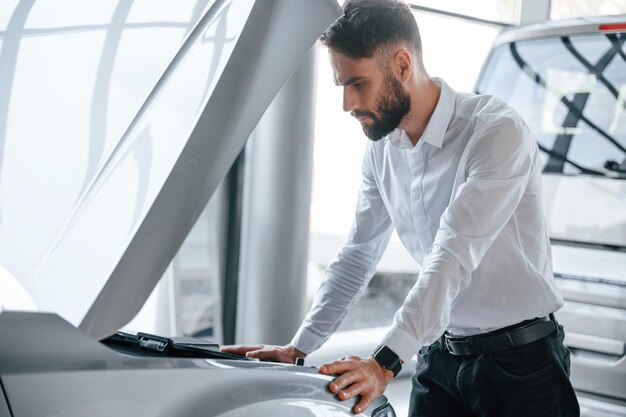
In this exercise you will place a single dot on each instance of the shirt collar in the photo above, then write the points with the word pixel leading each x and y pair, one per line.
pixel 438 123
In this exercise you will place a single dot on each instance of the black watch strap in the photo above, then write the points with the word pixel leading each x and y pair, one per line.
pixel 388 359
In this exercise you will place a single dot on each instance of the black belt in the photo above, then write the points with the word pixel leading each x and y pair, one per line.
pixel 502 339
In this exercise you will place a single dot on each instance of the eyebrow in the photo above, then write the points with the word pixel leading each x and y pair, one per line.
pixel 349 81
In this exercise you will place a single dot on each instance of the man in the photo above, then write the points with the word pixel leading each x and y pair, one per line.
pixel 459 177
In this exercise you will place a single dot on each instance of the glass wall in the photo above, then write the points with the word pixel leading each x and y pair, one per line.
pixel 188 299
pixel 73 78
pixel 564 9
pixel 496 10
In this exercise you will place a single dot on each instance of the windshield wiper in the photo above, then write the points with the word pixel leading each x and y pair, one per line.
pixel 151 345
pixel 616 166
pixel 557 155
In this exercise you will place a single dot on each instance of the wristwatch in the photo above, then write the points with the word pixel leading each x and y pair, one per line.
pixel 388 359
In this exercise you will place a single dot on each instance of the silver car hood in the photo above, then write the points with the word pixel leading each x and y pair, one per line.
pixel 72 375
pixel 118 120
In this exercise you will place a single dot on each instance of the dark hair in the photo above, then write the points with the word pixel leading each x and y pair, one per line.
pixel 369 25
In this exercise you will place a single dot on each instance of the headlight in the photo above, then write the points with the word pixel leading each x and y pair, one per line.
pixel 384 411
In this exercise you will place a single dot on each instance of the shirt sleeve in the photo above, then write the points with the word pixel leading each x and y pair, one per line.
pixel 499 162
pixel 347 277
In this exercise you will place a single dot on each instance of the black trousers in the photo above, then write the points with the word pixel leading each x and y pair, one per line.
pixel 526 381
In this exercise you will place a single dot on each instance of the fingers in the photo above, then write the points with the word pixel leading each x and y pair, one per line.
pixel 358 377
pixel 342 381
pixel 262 352
pixel 360 387
pixel 266 354
pixel 338 367
pixel 285 354
pixel 354 390
pixel 239 349
pixel 362 405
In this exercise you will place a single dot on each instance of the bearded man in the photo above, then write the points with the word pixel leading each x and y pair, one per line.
pixel 459 178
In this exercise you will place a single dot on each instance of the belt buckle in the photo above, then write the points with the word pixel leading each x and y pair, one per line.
pixel 467 346
pixel 463 344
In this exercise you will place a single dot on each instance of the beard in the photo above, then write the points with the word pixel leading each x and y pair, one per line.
pixel 392 106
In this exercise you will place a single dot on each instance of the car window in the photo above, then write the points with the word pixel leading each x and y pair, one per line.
pixel 571 90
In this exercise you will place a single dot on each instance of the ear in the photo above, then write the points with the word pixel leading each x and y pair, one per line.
pixel 403 64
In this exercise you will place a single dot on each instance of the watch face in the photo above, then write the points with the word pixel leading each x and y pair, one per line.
pixel 388 359
pixel 386 356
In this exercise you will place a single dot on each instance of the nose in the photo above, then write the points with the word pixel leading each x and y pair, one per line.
pixel 349 100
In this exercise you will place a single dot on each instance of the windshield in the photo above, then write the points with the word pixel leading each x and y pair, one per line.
pixel 571 90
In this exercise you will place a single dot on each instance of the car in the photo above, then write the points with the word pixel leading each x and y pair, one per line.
pixel 118 120
pixel 568 81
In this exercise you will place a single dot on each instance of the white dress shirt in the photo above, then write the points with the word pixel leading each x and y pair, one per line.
pixel 466 203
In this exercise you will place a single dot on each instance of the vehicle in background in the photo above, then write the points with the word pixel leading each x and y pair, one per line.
pixel 568 81
pixel 118 120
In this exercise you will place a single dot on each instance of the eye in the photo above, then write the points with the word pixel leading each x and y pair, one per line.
pixel 359 84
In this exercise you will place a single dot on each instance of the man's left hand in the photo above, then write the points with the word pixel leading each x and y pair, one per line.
pixel 364 377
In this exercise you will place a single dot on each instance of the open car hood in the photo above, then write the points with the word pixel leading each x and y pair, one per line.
pixel 117 123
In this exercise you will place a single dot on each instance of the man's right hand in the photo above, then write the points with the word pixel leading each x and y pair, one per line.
pixel 285 354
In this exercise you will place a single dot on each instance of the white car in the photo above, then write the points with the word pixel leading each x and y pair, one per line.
pixel 568 81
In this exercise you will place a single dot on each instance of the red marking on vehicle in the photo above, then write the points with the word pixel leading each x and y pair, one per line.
pixel 612 27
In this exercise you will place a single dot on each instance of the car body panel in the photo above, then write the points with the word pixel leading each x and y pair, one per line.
pixel 604 206
pixel 170 392
pixel 552 28
pixel 71 374
pixel 4 407
pixel 593 283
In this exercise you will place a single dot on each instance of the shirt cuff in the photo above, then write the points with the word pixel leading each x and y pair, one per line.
pixel 306 341
pixel 402 343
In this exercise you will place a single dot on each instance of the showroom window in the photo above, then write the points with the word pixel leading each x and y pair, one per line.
pixel 565 9
pixel 88 93
pixel 504 11
pixel 188 299
pixel 339 146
